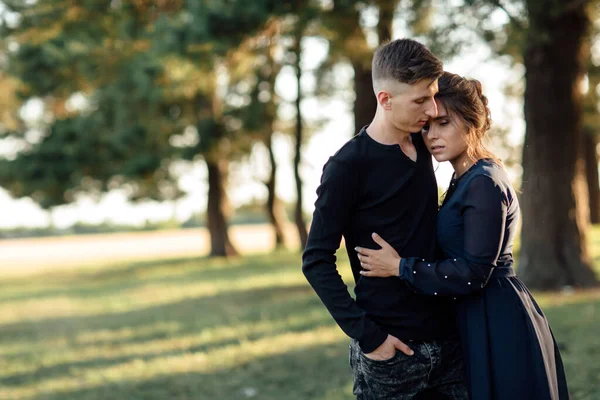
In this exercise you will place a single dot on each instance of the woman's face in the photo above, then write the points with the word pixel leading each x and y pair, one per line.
pixel 446 136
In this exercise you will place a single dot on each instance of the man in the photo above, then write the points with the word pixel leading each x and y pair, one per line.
pixel 383 181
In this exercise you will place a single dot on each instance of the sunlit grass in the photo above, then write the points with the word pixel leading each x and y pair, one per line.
pixel 178 327
pixel 209 329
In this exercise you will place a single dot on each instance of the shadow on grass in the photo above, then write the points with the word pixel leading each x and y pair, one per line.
pixel 310 373
pixel 192 314
pixel 66 368
pixel 287 309
pixel 119 278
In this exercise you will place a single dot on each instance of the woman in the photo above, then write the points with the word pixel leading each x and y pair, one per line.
pixel 509 350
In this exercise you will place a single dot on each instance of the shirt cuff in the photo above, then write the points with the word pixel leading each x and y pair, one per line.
pixel 372 342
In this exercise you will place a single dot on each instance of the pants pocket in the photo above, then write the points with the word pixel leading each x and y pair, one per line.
pixel 400 377
pixel 390 361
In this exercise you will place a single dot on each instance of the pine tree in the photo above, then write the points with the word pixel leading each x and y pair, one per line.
pixel 150 72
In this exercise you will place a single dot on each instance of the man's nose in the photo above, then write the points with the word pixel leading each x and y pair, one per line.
pixel 432 111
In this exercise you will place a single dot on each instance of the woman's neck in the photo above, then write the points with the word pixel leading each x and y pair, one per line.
pixel 461 164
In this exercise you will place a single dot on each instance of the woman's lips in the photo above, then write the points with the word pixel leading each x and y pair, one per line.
pixel 437 149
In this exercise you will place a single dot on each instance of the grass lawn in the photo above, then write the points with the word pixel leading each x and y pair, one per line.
pixel 209 329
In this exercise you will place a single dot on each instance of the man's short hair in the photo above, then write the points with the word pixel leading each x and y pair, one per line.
pixel 405 60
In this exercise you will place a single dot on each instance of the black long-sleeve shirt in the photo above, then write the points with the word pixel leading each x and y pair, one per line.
pixel 369 187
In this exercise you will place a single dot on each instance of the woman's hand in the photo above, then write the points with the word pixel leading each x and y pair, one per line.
pixel 382 263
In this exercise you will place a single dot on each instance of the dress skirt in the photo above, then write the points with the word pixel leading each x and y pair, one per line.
pixel 509 350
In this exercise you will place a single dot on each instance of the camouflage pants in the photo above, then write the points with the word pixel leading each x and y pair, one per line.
pixel 435 371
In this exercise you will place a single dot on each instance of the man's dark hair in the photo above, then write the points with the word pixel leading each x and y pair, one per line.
pixel 405 60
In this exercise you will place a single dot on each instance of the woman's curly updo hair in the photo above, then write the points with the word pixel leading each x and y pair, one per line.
pixel 464 98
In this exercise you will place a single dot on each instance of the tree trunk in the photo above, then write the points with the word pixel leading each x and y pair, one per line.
pixel 365 103
pixel 220 245
pixel 554 205
pixel 387 9
pixel 298 214
pixel 275 209
pixel 591 170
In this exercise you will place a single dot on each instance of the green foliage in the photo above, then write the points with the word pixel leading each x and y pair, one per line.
pixel 148 71
pixel 52 169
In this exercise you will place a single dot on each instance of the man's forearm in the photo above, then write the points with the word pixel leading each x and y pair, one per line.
pixel 330 287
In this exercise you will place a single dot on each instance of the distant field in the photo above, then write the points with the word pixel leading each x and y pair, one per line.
pixel 24 256
pixel 188 327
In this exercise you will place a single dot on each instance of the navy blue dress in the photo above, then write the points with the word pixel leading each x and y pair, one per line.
pixel 509 350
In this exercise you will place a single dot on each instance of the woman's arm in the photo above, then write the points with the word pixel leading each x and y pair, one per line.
pixel 484 213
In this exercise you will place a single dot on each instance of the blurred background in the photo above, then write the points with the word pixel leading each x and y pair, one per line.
pixel 158 167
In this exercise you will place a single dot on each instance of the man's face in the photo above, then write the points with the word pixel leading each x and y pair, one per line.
pixel 411 106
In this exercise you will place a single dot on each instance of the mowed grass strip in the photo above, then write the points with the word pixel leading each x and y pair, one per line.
pixel 194 328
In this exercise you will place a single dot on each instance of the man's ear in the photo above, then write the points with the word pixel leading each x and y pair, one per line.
pixel 384 100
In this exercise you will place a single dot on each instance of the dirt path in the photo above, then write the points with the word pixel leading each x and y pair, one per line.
pixel 26 256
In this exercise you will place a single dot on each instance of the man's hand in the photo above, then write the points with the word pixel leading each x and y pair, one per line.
pixel 388 348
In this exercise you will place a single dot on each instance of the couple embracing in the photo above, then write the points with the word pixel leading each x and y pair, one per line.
pixel 438 311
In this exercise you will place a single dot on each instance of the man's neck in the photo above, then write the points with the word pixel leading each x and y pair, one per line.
pixel 385 133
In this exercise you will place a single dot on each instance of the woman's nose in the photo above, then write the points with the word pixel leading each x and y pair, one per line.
pixel 431 133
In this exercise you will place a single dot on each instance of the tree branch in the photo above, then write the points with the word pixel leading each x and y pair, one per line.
pixel 574 5
pixel 516 21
